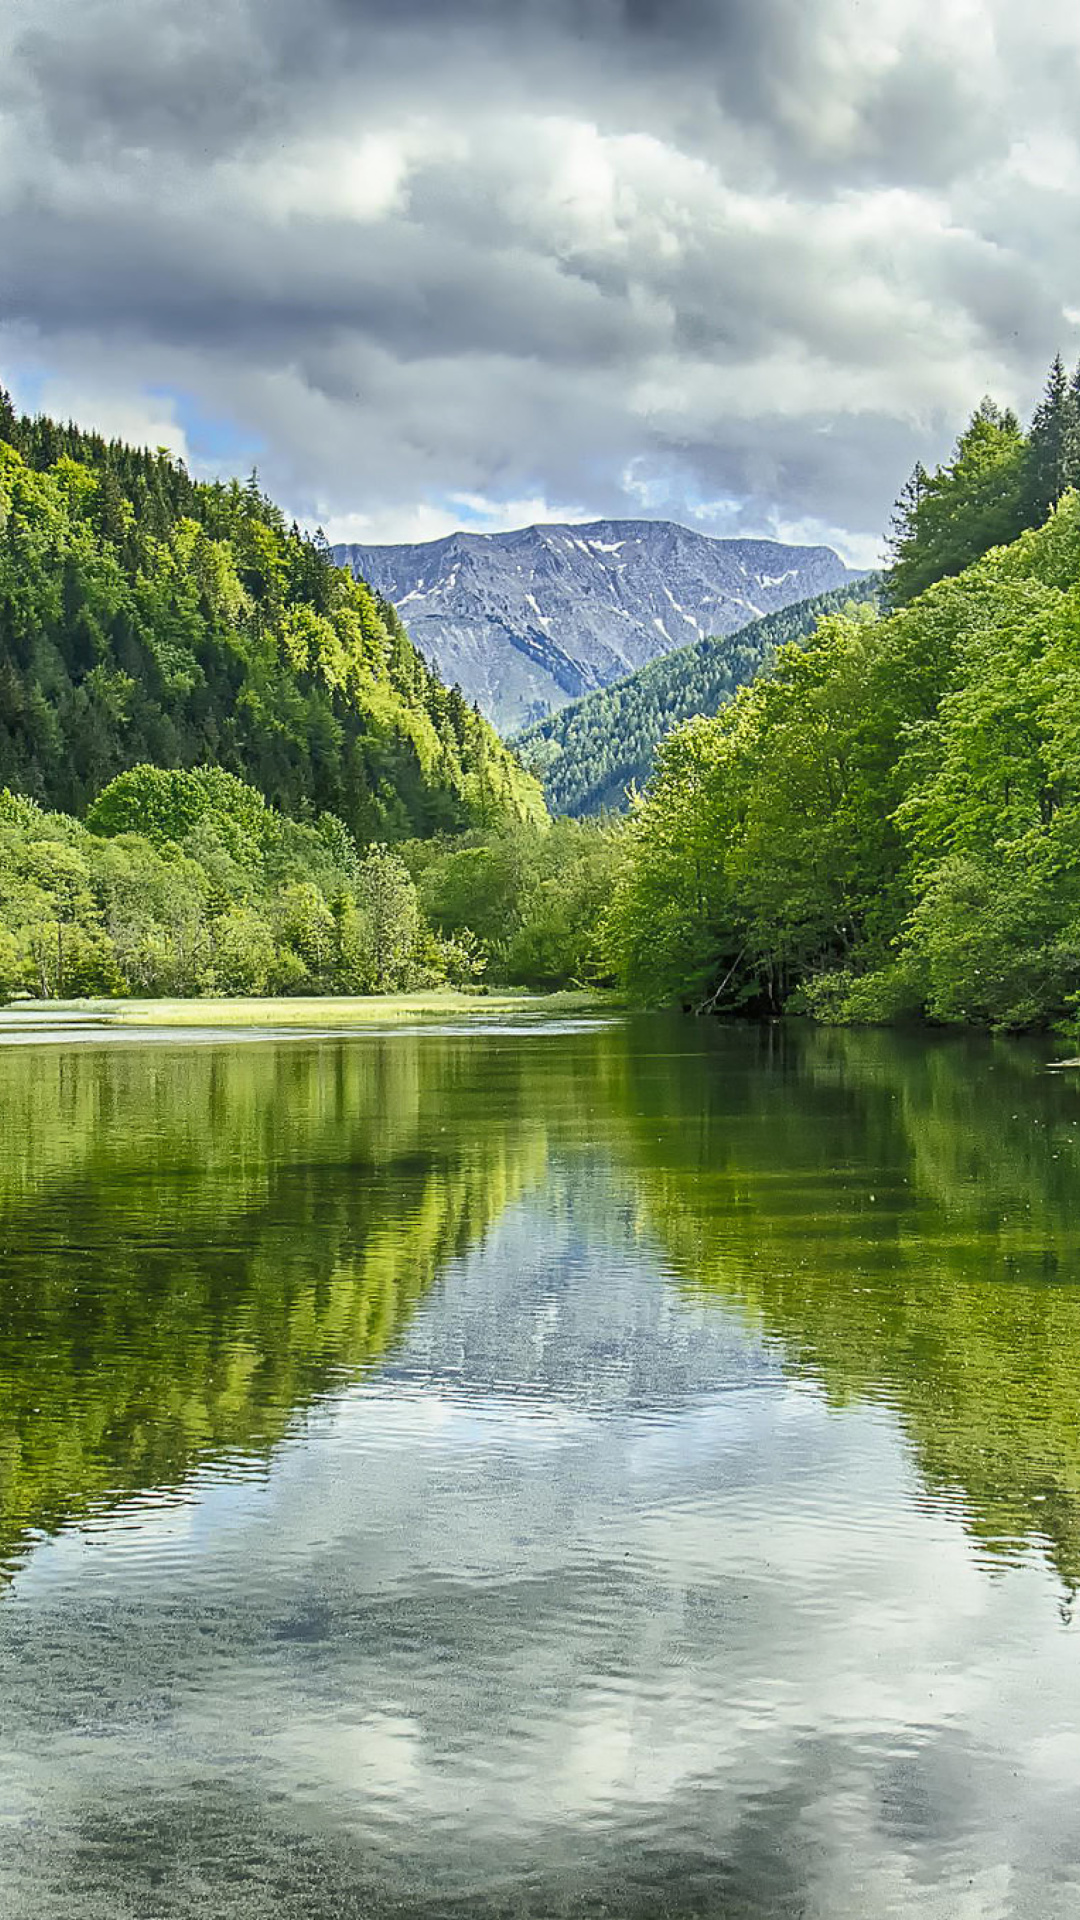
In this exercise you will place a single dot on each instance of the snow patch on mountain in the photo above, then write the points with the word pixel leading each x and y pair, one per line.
pixel 526 621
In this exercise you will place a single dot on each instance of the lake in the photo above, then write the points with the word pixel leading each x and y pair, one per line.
pixel 621 1467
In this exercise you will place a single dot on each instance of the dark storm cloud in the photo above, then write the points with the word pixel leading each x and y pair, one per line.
pixel 614 254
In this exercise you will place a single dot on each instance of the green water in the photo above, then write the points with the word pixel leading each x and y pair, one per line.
pixel 592 1468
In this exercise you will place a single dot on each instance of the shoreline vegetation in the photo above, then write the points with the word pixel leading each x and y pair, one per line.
pixel 226 775
pixel 321 1012
pixel 183 884
pixel 318 1016
pixel 884 828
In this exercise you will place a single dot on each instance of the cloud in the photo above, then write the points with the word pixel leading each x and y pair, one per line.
pixel 704 1644
pixel 470 511
pixel 517 251
pixel 100 400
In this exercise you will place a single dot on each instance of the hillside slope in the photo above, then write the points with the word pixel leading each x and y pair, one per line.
pixel 591 753
pixel 887 824
pixel 147 618
pixel 524 622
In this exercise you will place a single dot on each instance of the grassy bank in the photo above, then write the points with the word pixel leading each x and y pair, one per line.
pixel 307 1012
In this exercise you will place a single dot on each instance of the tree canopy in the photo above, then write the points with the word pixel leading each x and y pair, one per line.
pixel 593 753
pixel 888 823
pixel 147 617
pixel 998 482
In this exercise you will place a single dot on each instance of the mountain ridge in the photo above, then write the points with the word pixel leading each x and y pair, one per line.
pixel 527 620
pixel 590 753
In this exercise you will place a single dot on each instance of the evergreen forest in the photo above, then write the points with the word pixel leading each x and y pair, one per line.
pixel 594 753
pixel 148 618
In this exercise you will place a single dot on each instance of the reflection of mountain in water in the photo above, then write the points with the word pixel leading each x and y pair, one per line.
pixel 198 1241
pixel 901 1217
pixel 575 1605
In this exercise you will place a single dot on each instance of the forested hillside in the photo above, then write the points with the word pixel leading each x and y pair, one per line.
pixel 886 825
pixel 590 754
pixel 145 617
pixel 999 482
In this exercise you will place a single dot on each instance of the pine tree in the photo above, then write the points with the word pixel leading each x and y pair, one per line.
pixel 1051 445
pixel 905 515
pixel 1072 460
pixel 9 419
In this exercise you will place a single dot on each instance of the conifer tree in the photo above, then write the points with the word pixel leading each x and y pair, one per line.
pixel 1072 462
pixel 905 515
pixel 945 520
pixel 1052 444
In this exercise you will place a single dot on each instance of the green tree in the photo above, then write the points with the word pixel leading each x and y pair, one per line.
pixel 152 621
pixel 1053 446
pixel 887 823
pixel 945 520
pixel 390 912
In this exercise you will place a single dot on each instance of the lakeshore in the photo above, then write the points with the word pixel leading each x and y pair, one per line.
pixel 270 1013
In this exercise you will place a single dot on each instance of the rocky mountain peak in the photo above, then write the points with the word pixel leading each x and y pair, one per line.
pixel 527 620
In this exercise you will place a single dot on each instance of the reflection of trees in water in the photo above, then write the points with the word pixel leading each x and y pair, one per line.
pixel 199 1241
pixel 902 1218
pixel 196 1242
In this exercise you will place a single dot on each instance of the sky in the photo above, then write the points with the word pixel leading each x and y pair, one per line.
pixel 441 263
pixel 705 1628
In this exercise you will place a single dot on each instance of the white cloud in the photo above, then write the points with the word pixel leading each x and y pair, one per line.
pixel 769 255
pixel 462 513
pixel 103 402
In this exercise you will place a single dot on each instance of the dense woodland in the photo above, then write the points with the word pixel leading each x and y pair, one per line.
pixel 887 824
pixel 214 744
pixel 226 769
pixel 146 618
pixel 592 754
pixel 186 882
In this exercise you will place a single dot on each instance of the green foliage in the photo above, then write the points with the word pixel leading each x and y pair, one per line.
pixel 222 894
pixel 888 823
pixel 166 803
pixel 150 619
pixel 187 882
pixel 534 899
pixel 592 753
pixel 998 483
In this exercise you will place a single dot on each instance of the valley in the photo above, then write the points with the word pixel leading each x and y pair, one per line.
pixel 524 622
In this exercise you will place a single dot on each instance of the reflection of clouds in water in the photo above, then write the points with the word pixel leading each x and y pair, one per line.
pixel 607 1616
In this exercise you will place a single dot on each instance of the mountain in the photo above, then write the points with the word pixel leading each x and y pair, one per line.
pixel 589 754
pixel 524 622
pixel 147 618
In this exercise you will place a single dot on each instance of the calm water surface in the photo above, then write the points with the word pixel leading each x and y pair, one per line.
pixel 621 1469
